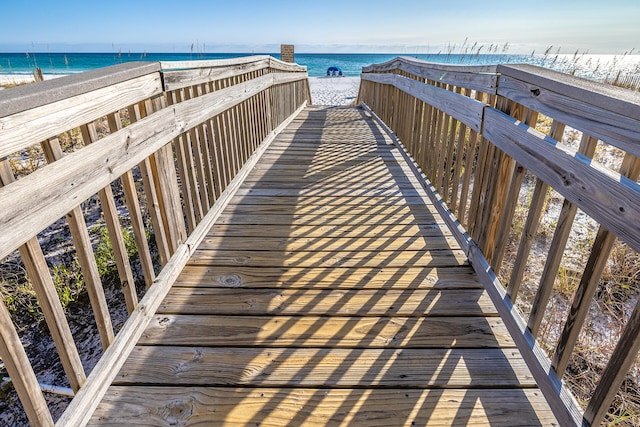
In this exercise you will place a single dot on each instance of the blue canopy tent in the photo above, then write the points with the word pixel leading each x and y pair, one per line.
pixel 333 71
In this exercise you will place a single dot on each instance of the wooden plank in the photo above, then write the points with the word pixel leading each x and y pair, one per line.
pixel 323 244
pixel 302 210
pixel 31 126
pixel 596 118
pixel 425 368
pixel 465 110
pixel 337 184
pixel 135 212
pixel 329 192
pixel 267 407
pixel 28 97
pixel 330 219
pixel 326 332
pixel 181 78
pixel 436 258
pixel 211 63
pixel 332 200
pixel 433 229
pixel 439 278
pixel 376 168
pixel 321 302
pixel 607 197
pixel 609 97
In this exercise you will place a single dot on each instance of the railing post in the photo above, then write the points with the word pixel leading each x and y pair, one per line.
pixel 286 53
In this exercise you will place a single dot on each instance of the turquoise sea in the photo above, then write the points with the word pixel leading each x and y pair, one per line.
pixel 594 66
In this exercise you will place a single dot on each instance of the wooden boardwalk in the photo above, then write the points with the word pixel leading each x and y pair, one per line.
pixel 330 292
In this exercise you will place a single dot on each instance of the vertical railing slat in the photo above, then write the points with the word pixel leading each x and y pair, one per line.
pixel 45 289
pixel 21 373
pixel 556 250
pixel 84 251
pixel 110 213
pixel 135 213
pixel 589 281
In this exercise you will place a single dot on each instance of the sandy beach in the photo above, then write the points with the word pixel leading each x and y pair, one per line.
pixel 334 90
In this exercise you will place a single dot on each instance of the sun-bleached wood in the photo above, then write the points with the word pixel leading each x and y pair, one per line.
pixel 27 97
pixel 482 78
pixel 357 407
pixel 83 173
pixel 31 126
pixel 110 213
pixel 325 332
pixel 81 408
pixel 466 110
pixel 21 373
pixel 173 365
pixel 611 199
pixel 84 251
pixel 42 282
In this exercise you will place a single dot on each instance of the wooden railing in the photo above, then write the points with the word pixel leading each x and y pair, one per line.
pixel 173 138
pixel 478 132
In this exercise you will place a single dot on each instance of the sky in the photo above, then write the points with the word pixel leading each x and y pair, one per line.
pixel 320 26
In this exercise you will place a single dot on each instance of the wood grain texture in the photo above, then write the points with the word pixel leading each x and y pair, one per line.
pixel 482 78
pixel 607 197
pixel 363 258
pixel 27 97
pixel 329 278
pixel 268 407
pixel 364 302
pixel 466 110
pixel 19 368
pixel 272 367
pixel 589 113
pixel 327 332
pixel 411 244
pixel 32 126
pixel 610 97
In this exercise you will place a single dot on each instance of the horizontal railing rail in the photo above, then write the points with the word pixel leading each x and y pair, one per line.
pixel 493 142
pixel 165 143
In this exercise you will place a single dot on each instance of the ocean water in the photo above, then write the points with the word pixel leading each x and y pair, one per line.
pixel 593 66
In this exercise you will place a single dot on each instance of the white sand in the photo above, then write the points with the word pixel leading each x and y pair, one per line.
pixel 334 90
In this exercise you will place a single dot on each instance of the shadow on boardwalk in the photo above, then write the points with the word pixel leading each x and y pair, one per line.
pixel 329 292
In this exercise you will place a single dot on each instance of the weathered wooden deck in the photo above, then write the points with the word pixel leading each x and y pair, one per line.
pixel 329 292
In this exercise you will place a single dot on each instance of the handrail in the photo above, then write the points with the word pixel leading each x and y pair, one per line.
pixel 475 132
pixel 175 140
